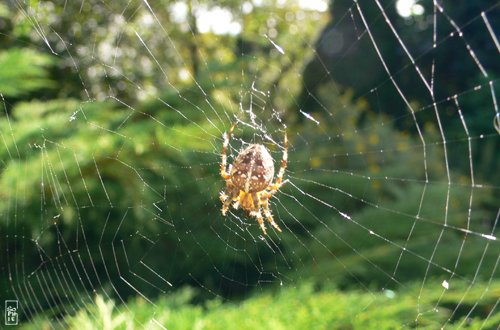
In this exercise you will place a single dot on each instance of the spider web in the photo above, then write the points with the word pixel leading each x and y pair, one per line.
pixel 381 195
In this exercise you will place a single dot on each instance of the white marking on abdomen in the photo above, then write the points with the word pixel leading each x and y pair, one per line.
pixel 250 168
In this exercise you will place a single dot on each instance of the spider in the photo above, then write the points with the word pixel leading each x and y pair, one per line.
pixel 249 180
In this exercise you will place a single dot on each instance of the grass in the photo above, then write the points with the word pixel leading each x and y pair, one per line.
pixel 300 307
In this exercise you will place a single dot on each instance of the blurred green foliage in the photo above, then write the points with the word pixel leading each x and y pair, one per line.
pixel 299 307
pixel 23 71
pixel 463 61
pixel 119 162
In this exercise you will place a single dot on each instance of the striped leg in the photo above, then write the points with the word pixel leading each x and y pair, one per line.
pixel 279 178
pixel 269 216
pixel 260 220
pixel 227 137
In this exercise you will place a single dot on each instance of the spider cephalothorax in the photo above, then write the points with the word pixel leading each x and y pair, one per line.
pixel 249 180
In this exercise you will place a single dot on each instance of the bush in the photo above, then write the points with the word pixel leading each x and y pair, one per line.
pixel 300 308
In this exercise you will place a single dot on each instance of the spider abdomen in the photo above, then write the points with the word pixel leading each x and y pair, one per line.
pixel 253 169
pixel 249 180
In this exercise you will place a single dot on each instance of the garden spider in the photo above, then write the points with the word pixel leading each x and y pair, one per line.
pixel 249 180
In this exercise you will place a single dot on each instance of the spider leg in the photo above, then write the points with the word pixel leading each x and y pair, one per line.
pixel 225 207
pixel 267 213
pixel 279 178
pixel 227 200
pixel 236 204
pixel 227 137
pixel 260 220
